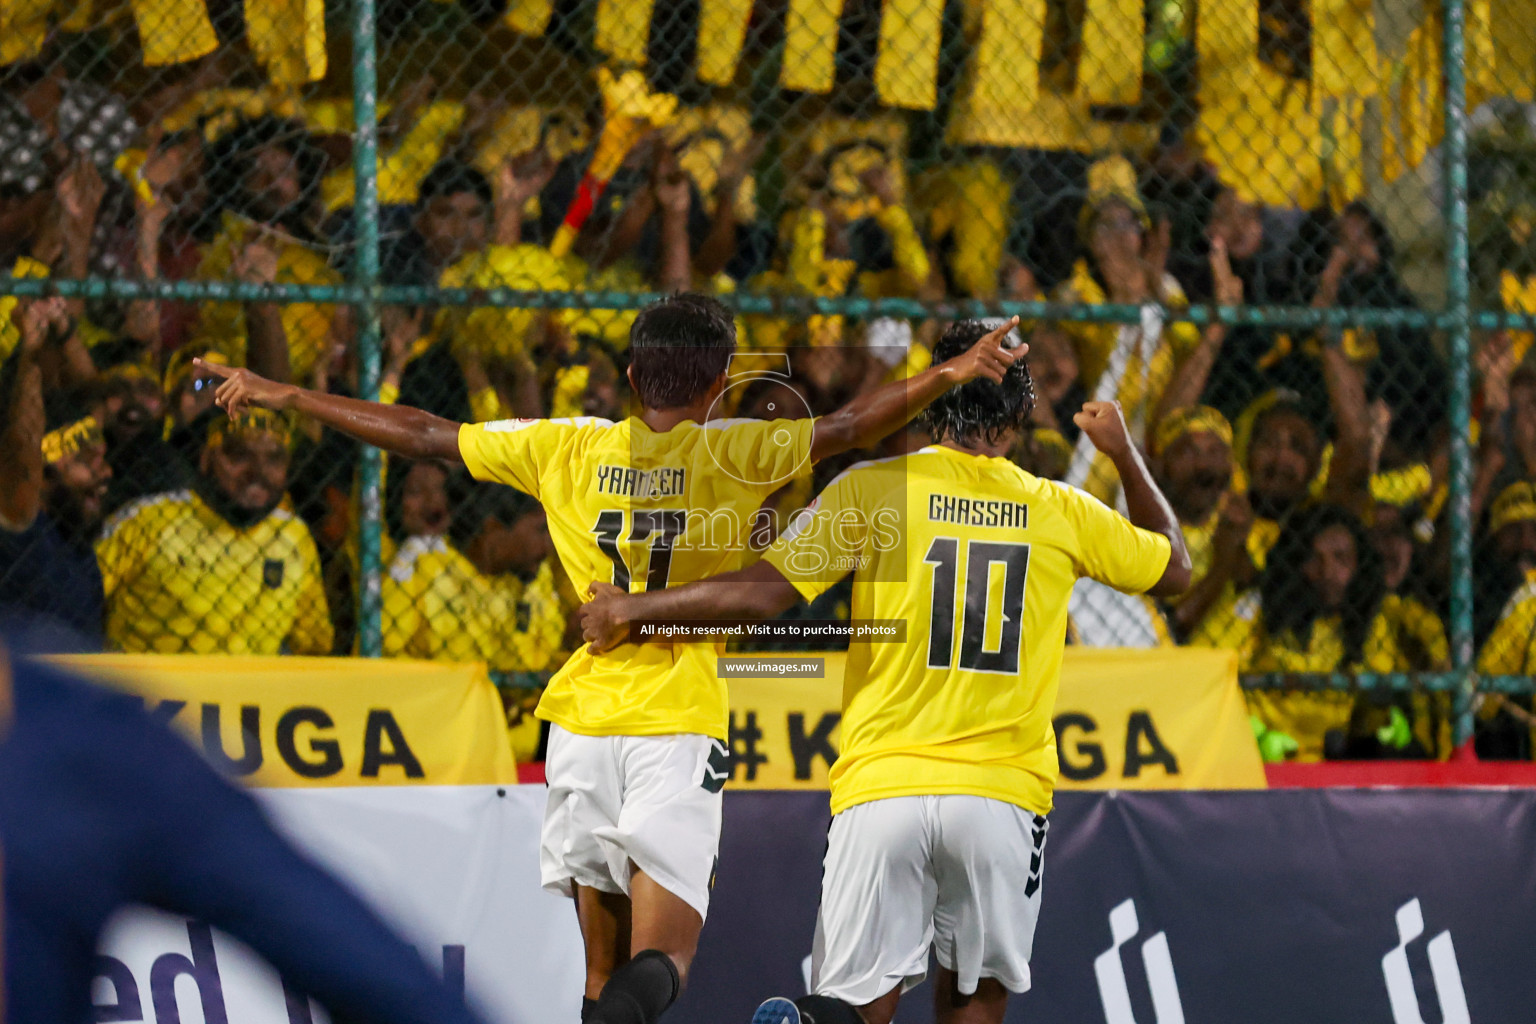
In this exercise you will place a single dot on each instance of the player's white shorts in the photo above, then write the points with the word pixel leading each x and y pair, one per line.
pixel 653 800
pixel 958 873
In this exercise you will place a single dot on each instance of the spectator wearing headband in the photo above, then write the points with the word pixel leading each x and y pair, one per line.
pixel 133 409
pixel 1192 456
pixel 52 489
pixel 220 568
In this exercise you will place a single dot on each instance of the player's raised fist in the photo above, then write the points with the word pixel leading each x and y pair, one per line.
pixel 990 357
pixel 603 623
pixel 1105 426
pixel 241 388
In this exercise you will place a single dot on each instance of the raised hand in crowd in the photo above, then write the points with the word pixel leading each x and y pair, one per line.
pixel 1495 364
pixel 674 195
pixel 1155 247
pixel 516 182
pixel 1193 373
pixel 719 245
pixel 1332 278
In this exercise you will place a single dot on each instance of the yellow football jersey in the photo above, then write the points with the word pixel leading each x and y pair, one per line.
pixel 179 579
pixel 642 510
pixel 438 606
pixel 1510 649
pixel 978 557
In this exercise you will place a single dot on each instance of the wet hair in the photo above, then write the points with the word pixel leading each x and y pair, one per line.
pixel 229 161
pixel 1285 592
pixel 678 347
pixel 978 411
pixel 450 178
pixel 473 502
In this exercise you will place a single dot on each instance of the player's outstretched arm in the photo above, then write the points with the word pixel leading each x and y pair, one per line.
pixel 875 415
pixel 757 592
pixel 1149 509
pixel 395 428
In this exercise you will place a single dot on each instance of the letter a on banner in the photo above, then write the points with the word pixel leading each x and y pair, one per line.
pixel 1113 991
pixel 1442 967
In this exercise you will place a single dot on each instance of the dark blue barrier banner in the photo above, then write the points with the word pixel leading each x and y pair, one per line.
pixel 1298 907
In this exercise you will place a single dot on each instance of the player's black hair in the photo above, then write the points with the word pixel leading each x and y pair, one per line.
pixel 678 347
pixel 449 178
pixel 1288 606
pixel 978 411
pixel 473 502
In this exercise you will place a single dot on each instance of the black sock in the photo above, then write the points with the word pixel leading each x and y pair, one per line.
pixel 826 1010
pixel 587 1006
pixel 638 992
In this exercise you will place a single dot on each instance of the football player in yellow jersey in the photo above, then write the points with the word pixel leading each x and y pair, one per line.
pixel 948 764
pixel 637 756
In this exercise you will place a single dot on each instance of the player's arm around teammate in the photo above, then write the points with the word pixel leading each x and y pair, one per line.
pixel 760 591
pixel 862 422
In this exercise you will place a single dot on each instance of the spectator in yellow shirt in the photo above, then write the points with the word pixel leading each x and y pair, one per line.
pixel 1321 606
pixel 1506 566
pixel 222 568
pixel 265 176
pixel 484 592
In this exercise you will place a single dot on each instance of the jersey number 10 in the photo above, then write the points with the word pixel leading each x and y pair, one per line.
pixel 658 526
pixel 944 554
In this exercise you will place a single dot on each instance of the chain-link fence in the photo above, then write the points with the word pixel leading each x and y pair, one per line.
pixel 1293 239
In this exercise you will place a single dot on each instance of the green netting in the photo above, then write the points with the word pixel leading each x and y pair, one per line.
pixel 462 203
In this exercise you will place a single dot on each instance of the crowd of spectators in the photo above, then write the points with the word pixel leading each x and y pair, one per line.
pixel 1308 467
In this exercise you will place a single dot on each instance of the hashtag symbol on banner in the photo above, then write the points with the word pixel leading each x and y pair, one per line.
pixel 744 743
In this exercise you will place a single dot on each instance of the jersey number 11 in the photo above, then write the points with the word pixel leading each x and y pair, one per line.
pixel 658 526
pixel 944 554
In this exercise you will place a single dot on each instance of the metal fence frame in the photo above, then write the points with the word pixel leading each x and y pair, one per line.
pixel 365 293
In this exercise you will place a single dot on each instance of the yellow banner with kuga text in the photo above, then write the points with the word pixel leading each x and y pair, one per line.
pixel 1169 718
pixel 283 722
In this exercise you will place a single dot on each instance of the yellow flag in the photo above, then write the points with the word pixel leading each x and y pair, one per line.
pixel 1344 59
pixel 623 29
pixel 810 45
pixel 722 30
pixel 1114 41
pixel 907 67
pixel 174 31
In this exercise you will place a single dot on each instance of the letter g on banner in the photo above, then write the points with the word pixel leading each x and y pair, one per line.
pixel 1442 967
pixel 1113 991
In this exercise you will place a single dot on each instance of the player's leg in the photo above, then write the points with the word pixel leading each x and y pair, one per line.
pixel 583 800
pixel 984 1006
pixel 989 865
pixel 668 833
pixel 875 923
pixel 605 928
pixel 664 921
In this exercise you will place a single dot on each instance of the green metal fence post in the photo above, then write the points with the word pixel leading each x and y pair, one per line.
pixel 365 271
pixel 1458 306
